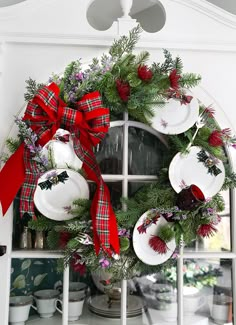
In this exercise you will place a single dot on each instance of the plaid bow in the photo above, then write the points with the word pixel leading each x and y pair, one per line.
pixel 88 124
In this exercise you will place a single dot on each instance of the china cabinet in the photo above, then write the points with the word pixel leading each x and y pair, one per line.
pixel 38 38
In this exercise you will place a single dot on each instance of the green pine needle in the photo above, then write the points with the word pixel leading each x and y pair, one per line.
pixel 125 44
pixel 166 233
pixel 42 224
pixel 12 144
pixel 142 58
pixel 189 80
pixel 31 89
pixel 53 239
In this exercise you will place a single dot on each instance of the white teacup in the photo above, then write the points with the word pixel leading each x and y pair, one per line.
pixel 167 306
pixel 220 308
pixel 19 309
pixel 75 305
pixel 45 302
pixel 78 286
pixel 193 300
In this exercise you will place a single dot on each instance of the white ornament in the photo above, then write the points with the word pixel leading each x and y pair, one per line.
pixel 62 153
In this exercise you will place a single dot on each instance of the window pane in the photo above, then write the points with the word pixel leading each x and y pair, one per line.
pixel 159 297
pixel 134 187
pixel 109 152
pixel 146 152
pixel 208 290
pixel 31 275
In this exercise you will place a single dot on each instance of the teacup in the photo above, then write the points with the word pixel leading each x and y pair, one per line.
pixel 193 300
pixel 167 305
pixel 220 308
pixel 190 197
pixel 78 287
pixel 19 309
pixel 45 302
pixel 75 305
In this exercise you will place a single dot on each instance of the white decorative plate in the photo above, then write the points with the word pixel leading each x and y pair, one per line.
pixel 55 203
pixel 187 169
pixel 141 243
pixel 174 118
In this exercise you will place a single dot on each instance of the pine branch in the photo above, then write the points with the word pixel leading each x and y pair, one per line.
pixel 230 181
pixel 128 218
pixel 161 197
pixel 12 144
pixel 190 226
pixel 177 143
pixel 4 157
pixel 168 64
pixel 42 224
pixel 31 89
pixel 73 244
pixel 125 44
pixel 217 202
pixel 189 80
pixel 81 208
pixel 77 226
pixel 142 58
pixel 178 65
pixel 53 239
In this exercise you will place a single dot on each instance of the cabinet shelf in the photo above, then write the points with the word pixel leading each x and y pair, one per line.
pixel 89 318
pixel 23 253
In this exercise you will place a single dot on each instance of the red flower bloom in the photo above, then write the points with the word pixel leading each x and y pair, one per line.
pixel 77 265
pixel 174 79
pixel 186 99
pixel 123 89
pixel 64 238
pixel 144 73
pixel 158 245
pixel 206 230
pixel 215 139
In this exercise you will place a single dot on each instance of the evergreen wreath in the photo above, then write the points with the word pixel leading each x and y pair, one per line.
pixel 127 83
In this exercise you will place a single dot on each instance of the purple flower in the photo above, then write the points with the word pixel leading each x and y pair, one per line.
pixel 79 76
pixel 104 263
pixel 72 96
pixel 210 210
pixel 122 232
pixel 51 174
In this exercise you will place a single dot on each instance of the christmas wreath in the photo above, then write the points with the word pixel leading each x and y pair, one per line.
pixel 74 110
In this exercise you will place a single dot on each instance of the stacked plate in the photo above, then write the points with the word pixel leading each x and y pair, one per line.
pixel 99 306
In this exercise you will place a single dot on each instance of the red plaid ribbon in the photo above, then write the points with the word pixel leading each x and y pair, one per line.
pixel 88 124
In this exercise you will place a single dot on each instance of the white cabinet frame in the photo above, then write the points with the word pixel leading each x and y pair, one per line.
pixel 37 38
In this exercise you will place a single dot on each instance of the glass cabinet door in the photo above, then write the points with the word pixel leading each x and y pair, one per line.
pixel 196 288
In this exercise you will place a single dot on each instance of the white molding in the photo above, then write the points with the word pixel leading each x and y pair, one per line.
pixel 105 40
pixel 210 10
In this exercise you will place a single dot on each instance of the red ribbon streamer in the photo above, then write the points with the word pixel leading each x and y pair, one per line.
pixel 88 124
